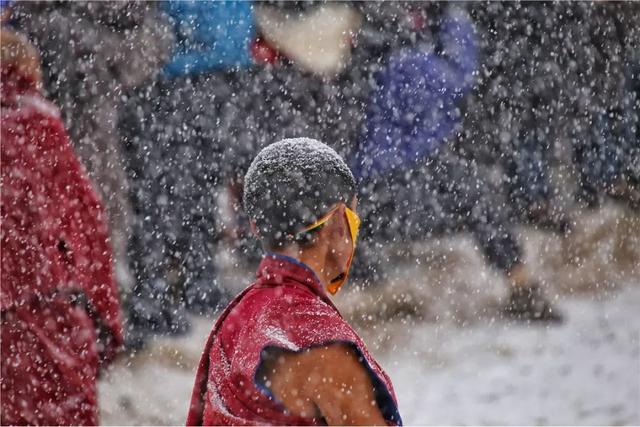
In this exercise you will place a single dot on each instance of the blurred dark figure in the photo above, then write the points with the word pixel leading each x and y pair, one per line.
pixel 60 310
pixel 171 131
pixel 633 111
pixel 518 113
pixel 414 161
pixel 602 60
pixel 556 72
pixel 92 52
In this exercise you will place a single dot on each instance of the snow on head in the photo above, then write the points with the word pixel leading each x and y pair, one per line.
pixel 291 183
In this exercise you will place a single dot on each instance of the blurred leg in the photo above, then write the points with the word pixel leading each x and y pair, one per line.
pixel 198 234
pixel 153 306
pixel 527 170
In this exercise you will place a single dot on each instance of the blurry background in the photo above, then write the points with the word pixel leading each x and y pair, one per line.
pixel 497 147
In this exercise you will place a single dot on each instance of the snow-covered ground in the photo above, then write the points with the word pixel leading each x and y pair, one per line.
pixel 586 371
pixel 452 359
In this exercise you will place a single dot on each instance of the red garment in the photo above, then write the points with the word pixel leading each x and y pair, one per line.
pixel 285 307
pixel 49 365
pixel 54 249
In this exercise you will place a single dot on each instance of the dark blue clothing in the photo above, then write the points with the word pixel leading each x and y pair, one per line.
pixel 211 35
pixel 415 108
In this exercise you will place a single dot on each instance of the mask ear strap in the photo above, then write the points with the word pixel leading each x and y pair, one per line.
pixel 320 222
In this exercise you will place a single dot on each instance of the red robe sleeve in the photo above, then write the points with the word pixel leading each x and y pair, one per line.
pixel 53 218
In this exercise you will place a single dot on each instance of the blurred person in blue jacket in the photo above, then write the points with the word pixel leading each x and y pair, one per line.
pixel 416 107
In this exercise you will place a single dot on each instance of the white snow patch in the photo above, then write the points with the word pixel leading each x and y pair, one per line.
pixel 278 336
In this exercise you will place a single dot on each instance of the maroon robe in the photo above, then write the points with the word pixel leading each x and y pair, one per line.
pixel 58 296
pixel 286 307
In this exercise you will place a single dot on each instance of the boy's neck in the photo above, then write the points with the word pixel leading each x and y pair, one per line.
pixel 314 257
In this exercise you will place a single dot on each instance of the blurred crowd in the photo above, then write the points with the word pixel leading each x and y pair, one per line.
pixel 452 117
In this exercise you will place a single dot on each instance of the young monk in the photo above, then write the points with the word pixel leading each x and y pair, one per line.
pixel 281 353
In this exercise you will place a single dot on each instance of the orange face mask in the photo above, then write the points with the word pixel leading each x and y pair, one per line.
pixel 354 225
